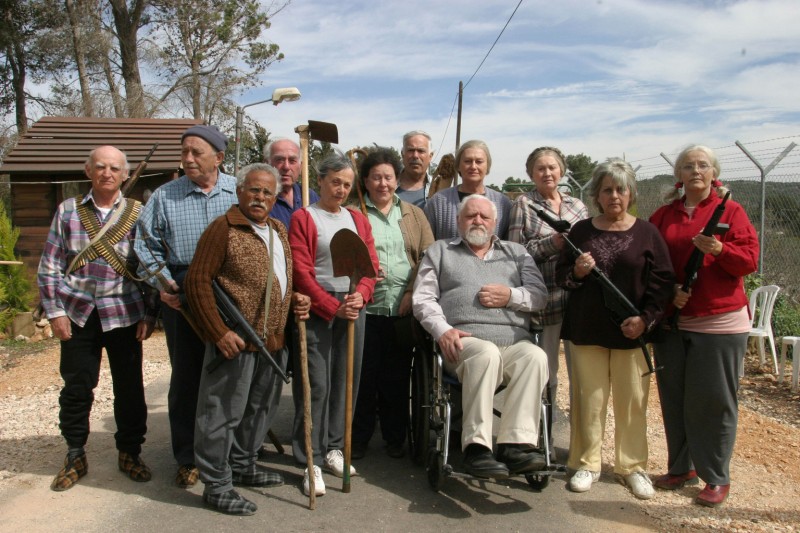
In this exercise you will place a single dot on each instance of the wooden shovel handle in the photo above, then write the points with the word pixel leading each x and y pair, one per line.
pixel 312 494
pixel 348 405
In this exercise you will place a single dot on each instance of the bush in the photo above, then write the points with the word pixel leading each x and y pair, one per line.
pixel 15 289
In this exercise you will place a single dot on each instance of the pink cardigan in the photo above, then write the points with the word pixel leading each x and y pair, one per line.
pixel 303 240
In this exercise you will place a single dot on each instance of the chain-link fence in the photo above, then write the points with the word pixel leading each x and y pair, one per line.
pixel 773 210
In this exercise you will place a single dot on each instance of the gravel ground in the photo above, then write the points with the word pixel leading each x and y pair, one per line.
pixel 765 493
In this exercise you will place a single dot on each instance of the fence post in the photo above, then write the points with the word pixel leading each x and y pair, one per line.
pixel 764 171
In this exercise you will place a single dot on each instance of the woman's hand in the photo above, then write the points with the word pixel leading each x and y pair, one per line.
pixel 301 304
pixel 350 306
pixel 583 265
pixel 405 304
pixel 633 327
pixel 707 244
pixel 230 345
pixel 680 298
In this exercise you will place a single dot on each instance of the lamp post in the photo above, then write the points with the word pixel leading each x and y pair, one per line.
pixel 286 94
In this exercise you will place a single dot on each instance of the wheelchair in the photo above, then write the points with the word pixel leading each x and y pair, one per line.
pixel 430 424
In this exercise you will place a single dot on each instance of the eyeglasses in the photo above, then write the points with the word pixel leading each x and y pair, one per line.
pixel 701 167
pixel 256 190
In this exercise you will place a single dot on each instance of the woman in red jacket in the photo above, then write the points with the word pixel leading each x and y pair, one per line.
pixel 310 234
pixel 702 358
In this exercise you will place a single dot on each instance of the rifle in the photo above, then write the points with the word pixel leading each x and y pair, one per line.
pixel 616 302
pixel 235 321
pixel 127 187
pixel 695 262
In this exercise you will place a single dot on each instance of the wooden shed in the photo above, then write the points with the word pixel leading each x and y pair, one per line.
pixel 47 166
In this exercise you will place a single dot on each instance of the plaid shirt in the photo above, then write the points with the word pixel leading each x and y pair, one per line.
pixel 537 237
pixel 96 285
pixel 173 220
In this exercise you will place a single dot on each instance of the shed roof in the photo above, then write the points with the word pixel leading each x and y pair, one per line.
pixel 59 145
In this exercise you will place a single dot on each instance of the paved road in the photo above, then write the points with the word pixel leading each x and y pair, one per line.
pixel 388 495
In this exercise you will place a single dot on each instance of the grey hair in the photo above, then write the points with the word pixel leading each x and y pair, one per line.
pixel 675 193
pixel 333 162
pixel 414 133
pixel 268 148
pixel 241 176
pixel 474 144
pixel 621 174
pixel 125 163
pixel 463 203
pixel 546 150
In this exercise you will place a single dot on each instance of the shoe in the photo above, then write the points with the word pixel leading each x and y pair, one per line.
pixel 257 478
pixel 582 480
pixel 73 470
pixel 479 462
pixel 230 502
pixel 358 451
pixel 518 461
pixel 675 482
pixel 334 463
pixel 134 467
pixel 713 495
pixel 319 483
pixel 639 483
pixel 395 451
pixel 187 476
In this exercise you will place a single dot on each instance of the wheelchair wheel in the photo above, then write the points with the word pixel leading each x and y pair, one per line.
pixel 537 482
pixel 435 468
pixel 419 434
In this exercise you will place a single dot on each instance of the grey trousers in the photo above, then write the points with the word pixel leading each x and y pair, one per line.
pixel 236 405
pixel 327 372
pixel 698 387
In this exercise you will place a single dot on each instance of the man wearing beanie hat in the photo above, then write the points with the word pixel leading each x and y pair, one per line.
pixel 170 225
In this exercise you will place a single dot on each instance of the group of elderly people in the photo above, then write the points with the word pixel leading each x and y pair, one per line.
pixel 482 273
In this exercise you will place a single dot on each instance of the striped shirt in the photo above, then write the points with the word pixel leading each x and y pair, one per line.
pixel 173 220
pixel 536 236
pixel 96 285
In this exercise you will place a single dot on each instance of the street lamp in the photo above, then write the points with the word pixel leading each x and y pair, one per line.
pixel 285 94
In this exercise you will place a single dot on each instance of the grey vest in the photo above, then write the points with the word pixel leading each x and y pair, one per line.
pixel 462 274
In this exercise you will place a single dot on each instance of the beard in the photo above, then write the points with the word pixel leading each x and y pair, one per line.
pixel 477 236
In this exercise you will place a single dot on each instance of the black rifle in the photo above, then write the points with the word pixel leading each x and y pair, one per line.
pixel 695 262
pixel 235 321
pixel 616 302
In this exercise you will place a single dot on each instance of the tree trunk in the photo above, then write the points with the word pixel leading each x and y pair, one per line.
pixel 80 58
pixel 127 25
pixel 15 53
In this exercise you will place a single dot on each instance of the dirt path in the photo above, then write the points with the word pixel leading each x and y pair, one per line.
pixel 389 495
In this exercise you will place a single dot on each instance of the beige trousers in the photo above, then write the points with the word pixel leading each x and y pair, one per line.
pixel 483 367
pixel 595 372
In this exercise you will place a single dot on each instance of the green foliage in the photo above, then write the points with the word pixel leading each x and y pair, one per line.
pixel 15 289
pixel 581 166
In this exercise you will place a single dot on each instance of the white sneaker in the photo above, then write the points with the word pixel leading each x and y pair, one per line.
pixel 640 485
pixel 582 480
pixel 334 463
pixel 319 483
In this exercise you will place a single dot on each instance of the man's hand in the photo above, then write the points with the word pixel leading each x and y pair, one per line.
pixel 170 296
pixel 143 330
pixel 450 343
pixel 230 345
pixel 62 327
pixel 301 304
pixel 494 295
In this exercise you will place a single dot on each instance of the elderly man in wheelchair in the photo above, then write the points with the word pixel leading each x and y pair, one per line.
pixel 473 295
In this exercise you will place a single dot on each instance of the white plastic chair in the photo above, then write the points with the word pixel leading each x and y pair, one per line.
pixel 762 301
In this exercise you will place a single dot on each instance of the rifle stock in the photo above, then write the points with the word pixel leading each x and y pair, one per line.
pixel 614 300
pixel 235 321
pixel 127 187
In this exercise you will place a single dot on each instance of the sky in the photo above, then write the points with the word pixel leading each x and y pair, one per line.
pixel 607 78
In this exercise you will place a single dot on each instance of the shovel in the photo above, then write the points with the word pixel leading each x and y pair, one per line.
pixel 326 132
pixel 350 258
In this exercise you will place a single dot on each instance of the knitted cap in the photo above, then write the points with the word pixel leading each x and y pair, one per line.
pixel 210 134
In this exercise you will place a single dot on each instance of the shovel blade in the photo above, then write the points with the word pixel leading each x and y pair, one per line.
pixel 323 131
pixel 350 256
